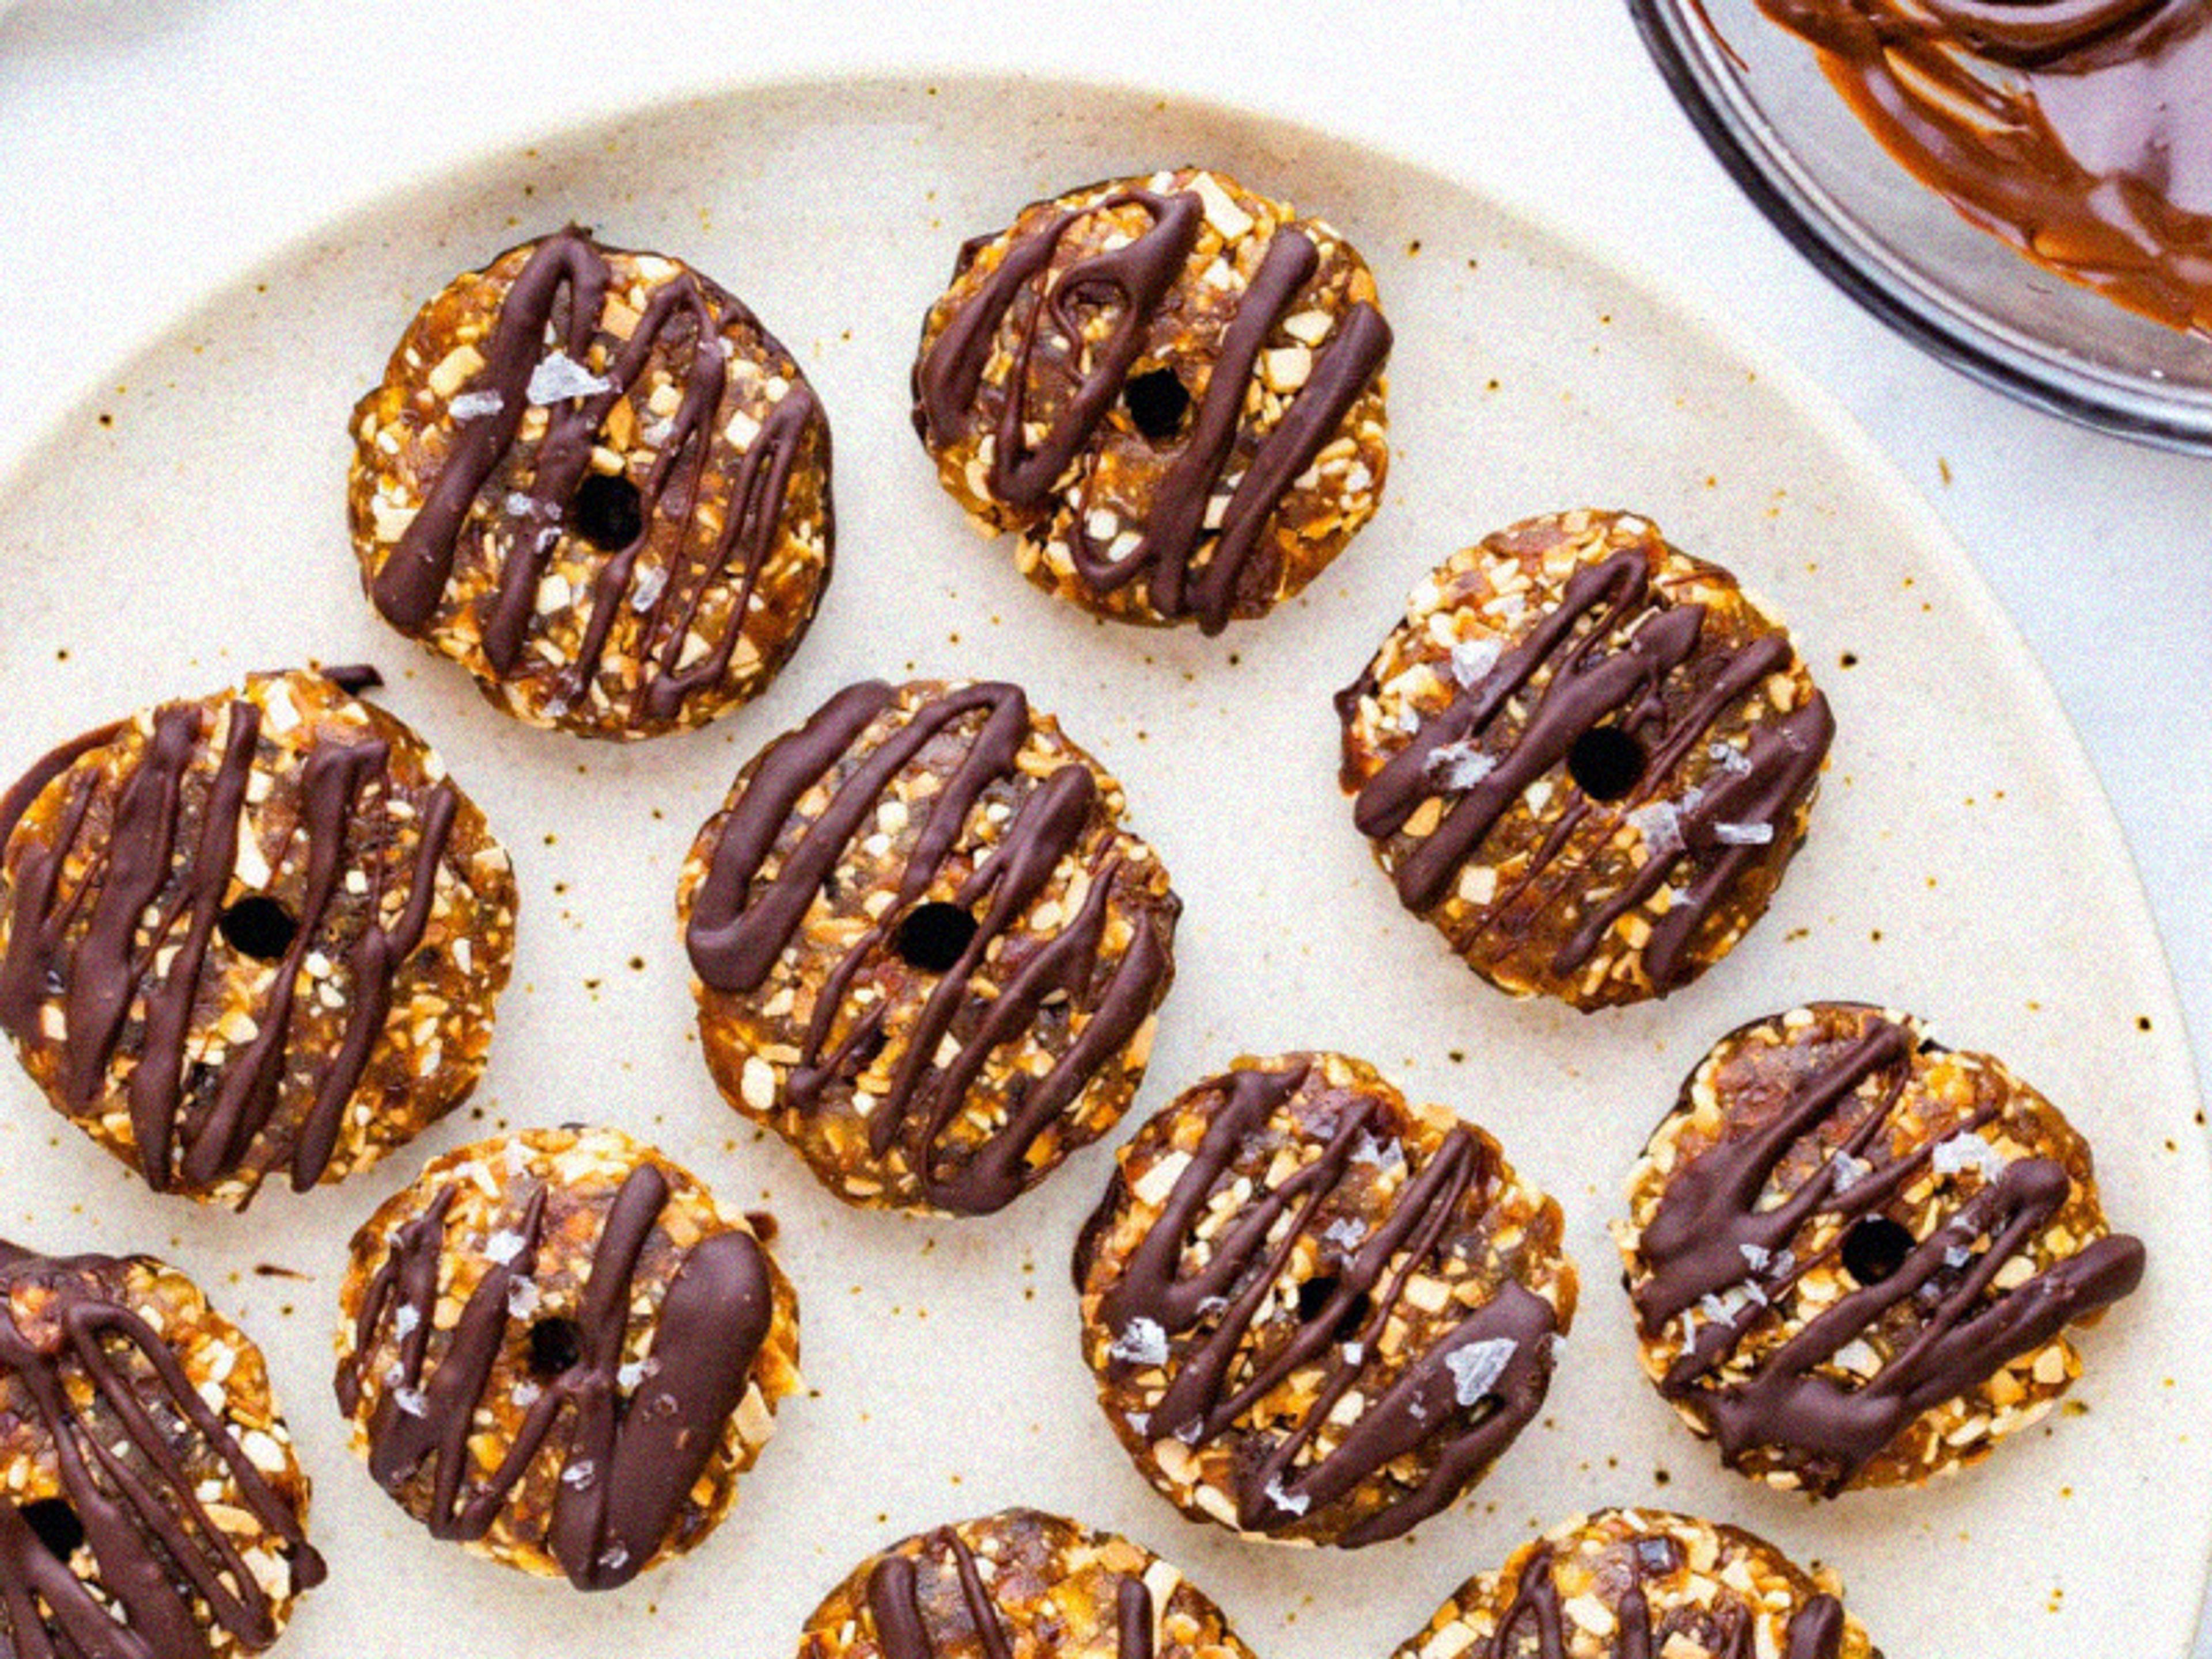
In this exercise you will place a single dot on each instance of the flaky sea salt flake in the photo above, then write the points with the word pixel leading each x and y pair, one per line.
pixel 1476 1368
pixel 558 376
pixel 1966 1150
pixel 1142 1342
pixel 1472 660
pixel 1346 1231
pixel 1289 1503
pixel 1458 765
pixel 1660 824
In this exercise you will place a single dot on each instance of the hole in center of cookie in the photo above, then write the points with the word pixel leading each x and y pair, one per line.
pixel 1605 763
pixel 934 936
pixel 1314 1295
pixel 1876 1248
pixel 1157 403
pixel 56 1524
pixel 608 512
pixel 258 926
pixel 555 1346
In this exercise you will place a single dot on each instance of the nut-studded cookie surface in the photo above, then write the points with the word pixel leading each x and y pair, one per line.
pixel 1854 1255
pixel 1171 388
pixel 1644 1584
pixel 558 1350
pixel 1018 1582
pixel 591 477
pixel 257 933
pixel 1315 1312
pixel 153 1508
pixel 926 950
pixel 1586 757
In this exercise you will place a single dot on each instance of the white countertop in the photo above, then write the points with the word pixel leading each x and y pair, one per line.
pixel 151 149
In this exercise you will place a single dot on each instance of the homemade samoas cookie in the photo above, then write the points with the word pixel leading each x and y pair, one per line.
pixel 1644 1584
pixel 155 1509
pixel 557 1349
pixel 594 480
pixel 257 932
pixel 1171 389
pixel 926 950
pixel 1854 1254
pixel 1018 1582
pixel 1586 757
pixel 1317 1313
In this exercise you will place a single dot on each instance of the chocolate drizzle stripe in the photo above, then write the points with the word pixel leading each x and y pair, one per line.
pixel 629 1461
pixel 356 679
pixel 1586 687
pixel 1133 1619
pixel 1694 1240
pixel 1175 529
pixel 1709 1212
pixel 1419 1409
pixel 1138 279
pixel 154 1539
pixel 1536 1614
pixel 902 1627
pixel 686 315
pixel 740 925
pixel 95 978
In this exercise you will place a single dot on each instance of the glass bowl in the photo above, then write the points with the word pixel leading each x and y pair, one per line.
pixel 1757 94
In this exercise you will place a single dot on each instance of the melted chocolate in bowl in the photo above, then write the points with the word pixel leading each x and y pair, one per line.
pixel 2078 131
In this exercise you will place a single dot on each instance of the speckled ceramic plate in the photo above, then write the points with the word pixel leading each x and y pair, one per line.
pixel 189 526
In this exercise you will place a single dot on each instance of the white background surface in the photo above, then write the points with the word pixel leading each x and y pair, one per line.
pixel 148 148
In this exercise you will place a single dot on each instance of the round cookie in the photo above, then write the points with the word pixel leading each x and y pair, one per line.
pixel 1586 757
pixel 1018 1582
pixel 926 951
pixel 1636 1583
pixel 1317 1313
pixel 258 931
pixel 594 480
pixel 153 1508
pixel 558 1350
pixel 1854 1254
pixel 1170 387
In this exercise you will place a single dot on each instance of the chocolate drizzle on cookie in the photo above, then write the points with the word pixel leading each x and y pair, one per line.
pixel 741 924
pixel 561 290
pixel 1712 1222
pixel 1211 1314
pixel 118 963
pixel 126 1425
pixel 631 1455
pixel 903 1626
pixel 1537 1616
pixel 1588 689
pixel 1193 569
